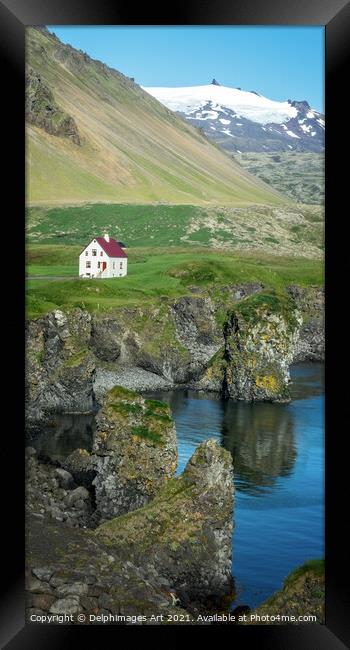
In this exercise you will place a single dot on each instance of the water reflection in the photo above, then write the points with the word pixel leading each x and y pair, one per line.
pixel 63 434
pixel 261 440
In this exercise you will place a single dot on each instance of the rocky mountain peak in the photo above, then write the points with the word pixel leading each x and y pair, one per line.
pixel 303 104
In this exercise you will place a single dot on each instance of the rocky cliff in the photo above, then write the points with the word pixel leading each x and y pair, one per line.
pixel 259 342
pixel 173 552
pixel 59 366
pixel 239 341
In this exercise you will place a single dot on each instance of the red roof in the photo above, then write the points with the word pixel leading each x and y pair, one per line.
pixel 111 247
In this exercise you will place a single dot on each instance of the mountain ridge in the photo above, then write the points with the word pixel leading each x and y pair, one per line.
pixel 245 121
pixel 132 149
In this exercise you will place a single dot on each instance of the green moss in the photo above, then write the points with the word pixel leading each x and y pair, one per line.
pixel 278 303
pixel 316 567
pixel 158 416
pixel 119 392
pixel 147 434
pixel 124 408
pixel 156 404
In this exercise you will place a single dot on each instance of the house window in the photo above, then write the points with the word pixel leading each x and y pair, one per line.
pixel 94 252
pixel 86 253
pixel 98 264
pixel 121 265
pixel 114 265
pixel 101 253
pixel 88 265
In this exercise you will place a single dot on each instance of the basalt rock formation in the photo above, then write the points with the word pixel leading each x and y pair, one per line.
pixel 259 342
pixel 185 532
pixel 60 367
pixel 134 452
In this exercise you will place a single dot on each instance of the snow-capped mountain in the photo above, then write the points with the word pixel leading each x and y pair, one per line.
pixel 241 121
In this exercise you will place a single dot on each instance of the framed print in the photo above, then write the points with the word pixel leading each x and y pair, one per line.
pixel 180 190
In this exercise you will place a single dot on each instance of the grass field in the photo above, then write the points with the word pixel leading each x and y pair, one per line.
pixel 157 275
pixel 283 230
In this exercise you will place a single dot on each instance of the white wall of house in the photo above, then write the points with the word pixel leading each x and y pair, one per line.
pixel 92 260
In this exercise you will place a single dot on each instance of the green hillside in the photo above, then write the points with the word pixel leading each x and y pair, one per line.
pixel 285 230
pixel 95 135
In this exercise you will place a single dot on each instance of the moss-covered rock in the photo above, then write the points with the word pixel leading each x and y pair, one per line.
pixel 134 451
pixel 260 334
pixel 185 532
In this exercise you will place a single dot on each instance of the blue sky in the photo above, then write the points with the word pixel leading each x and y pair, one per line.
pixel 278 62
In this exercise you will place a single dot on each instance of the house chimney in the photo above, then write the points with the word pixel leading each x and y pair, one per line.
pixel 106 237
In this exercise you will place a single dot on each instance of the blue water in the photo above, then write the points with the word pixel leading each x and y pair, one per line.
pixel 278 456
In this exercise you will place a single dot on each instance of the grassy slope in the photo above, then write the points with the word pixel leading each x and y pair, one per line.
pixel 300 176
pixel 157 275
pixel 134 149
pixel 302 594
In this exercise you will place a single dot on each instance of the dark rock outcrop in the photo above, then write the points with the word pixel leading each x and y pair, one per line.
pixel 42 110
pixel 59 366
pixel 197 331
pixel 69 571
pixel 106 337
pixel 52 496
pixel 311 343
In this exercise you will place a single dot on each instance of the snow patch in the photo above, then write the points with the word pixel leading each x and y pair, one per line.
pixel 305 128
pixel 293 135
pixel 207 115
pixel 224 121
pixel 246 104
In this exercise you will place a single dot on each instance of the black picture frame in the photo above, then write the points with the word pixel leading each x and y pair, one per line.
pixel 15 15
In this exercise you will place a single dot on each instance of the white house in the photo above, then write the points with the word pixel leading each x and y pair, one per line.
pixel 103 258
